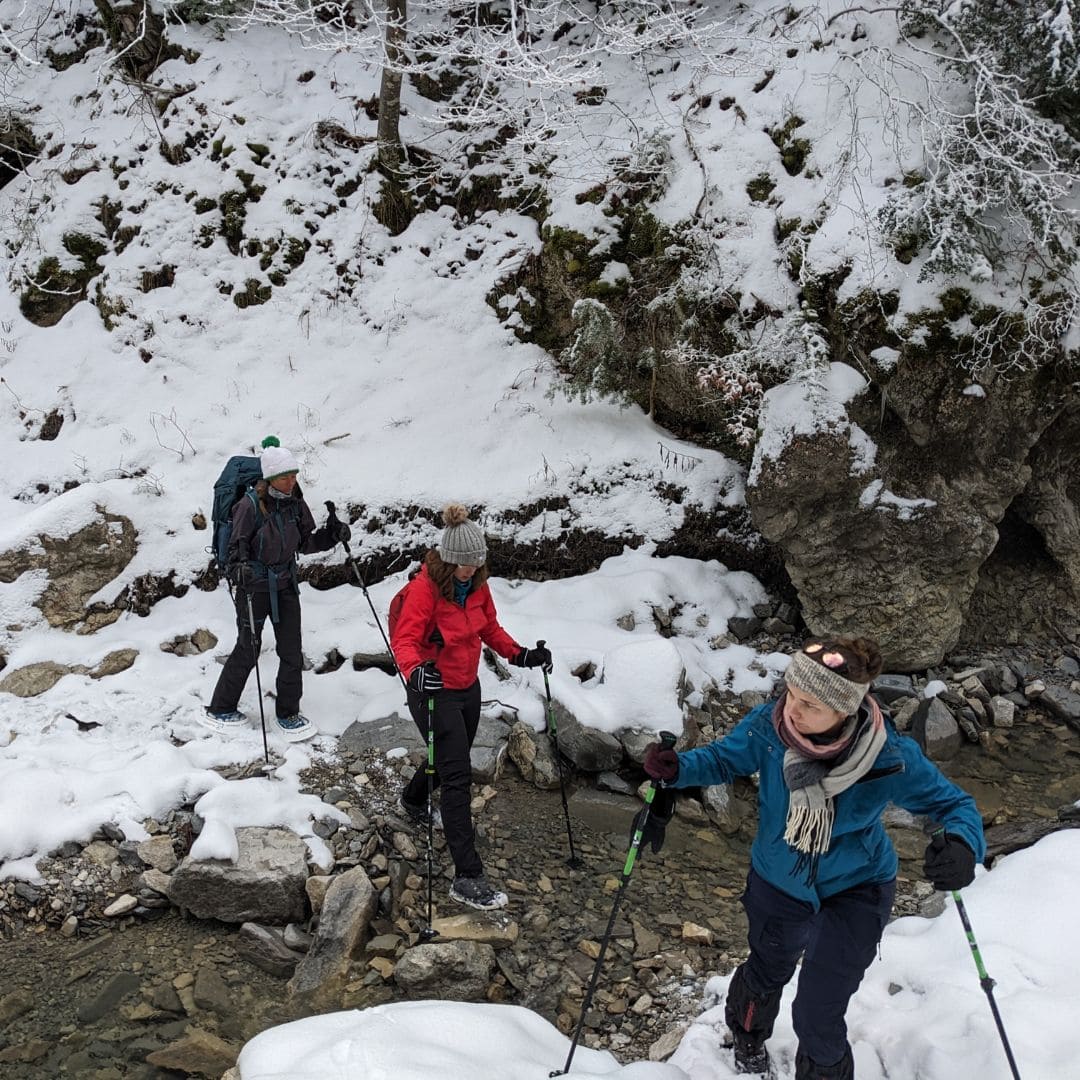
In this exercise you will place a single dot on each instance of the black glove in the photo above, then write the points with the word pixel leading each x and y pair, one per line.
pixel 239 574
pixel 539 657
pixel 660 813
pixel 661 763
pixel 425 678
pixel 340 531
pixel 949 863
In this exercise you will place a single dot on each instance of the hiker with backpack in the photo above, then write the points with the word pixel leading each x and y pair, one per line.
pixel 256 540
pixel 823 870
pixel 438 624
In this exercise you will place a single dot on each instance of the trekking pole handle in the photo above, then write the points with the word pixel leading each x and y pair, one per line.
pixel 668 740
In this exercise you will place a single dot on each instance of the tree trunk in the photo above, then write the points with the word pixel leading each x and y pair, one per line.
pixel 391 152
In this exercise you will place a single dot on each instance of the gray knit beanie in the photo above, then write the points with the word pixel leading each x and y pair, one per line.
pixel 828 686
pixel 462 542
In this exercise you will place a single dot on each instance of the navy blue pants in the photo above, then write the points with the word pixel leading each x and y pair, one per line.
pixel 837 944
pixel 457 716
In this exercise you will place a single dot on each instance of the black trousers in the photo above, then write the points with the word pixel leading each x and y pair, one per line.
pixel 290 676
pixel 456 718
pixel 837 944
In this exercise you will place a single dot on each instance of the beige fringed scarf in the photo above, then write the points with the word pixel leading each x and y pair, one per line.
pixel 816 773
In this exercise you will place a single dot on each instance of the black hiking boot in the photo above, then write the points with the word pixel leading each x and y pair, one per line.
pixel 806 1069
pixel 477 893
pixel 418 814
pixel 751 1057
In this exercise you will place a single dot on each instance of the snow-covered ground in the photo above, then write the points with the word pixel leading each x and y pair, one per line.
pixel 920 1013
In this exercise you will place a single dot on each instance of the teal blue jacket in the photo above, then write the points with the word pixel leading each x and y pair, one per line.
pixel 860 851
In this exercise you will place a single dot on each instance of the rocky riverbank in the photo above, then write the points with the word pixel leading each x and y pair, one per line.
pixel 102 976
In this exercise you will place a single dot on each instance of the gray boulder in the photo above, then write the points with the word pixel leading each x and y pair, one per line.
pixel 532 753
pixel 446 971
pixel 265 884
pixel 489 750
pixel 347 910
pixel 589 749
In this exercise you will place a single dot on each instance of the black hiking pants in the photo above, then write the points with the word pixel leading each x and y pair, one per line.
pixel 290 676
pixel 457 716
pixel 837 944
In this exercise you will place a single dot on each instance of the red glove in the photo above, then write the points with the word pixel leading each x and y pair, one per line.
pixel 661 764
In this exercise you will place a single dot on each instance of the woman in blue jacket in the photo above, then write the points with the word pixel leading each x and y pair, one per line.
pixel 823 871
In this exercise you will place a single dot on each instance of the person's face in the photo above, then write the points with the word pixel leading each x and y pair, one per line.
pixel 284 484
pixel 464 572
pixel 808 715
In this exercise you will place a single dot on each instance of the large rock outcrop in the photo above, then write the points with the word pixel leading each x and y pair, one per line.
pixel 77 567
pixel 891 542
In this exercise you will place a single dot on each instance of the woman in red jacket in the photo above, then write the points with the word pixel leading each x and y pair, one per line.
pixel 447 615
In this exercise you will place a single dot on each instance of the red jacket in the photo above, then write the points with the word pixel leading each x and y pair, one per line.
pixel 463 629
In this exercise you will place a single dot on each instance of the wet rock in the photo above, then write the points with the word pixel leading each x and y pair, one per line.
pixel 108 997
pixel 589 749
pixel 497 930
pixel 211 992
pixel 265 884
pixel 346 912
pixel 603 811
pixel 198 1052
pixel 446 971
pixel 25 1053
pixel 14 1005
pixel 265 947
pixel 1063 703
pixel 613 782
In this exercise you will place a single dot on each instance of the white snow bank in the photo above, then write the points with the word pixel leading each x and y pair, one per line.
pixel 419 1040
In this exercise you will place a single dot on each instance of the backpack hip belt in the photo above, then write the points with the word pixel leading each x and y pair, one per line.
pixel 278 576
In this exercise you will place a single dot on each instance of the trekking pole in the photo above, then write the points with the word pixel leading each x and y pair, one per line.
pixel 255 643
pixel 667 741
pixel 429 932
pixel 984 978
pixel 553 734
pixel 367 596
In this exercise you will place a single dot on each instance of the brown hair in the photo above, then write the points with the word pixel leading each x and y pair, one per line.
pixel 862 656
pixel 442 573
pixel 261 487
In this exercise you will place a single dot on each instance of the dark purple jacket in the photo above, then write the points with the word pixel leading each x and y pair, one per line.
pixel 271 541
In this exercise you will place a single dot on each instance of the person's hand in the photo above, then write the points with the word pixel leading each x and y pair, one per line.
pixel 341 532
pixel 949 863
pixel 661 763
pixel 539 657
pixel 426 678
pixel 239 574
pixel 660 812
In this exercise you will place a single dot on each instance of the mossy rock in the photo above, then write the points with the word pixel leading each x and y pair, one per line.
pixel 760 188
pixel 793 152
pixel 53 290
pixel 254 294
pixel 233 207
